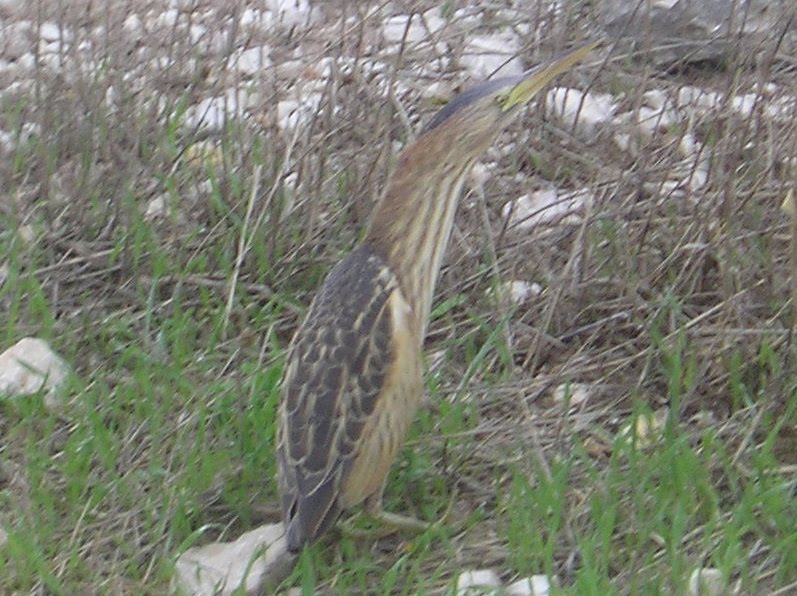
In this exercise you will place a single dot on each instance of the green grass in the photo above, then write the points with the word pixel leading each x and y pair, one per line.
pixel 165 438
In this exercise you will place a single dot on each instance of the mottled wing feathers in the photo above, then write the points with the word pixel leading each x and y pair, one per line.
pixel 336 367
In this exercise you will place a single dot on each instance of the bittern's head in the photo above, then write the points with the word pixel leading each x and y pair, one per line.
pixel 468 124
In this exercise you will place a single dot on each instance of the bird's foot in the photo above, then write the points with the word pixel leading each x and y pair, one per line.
pixel 382 523
pixel 388 523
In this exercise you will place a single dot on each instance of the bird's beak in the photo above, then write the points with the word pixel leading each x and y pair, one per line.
pixel 533 80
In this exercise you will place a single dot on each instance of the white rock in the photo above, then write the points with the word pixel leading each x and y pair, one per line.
pixel 183 5
pixel 156 208
pixel 52 61
pixel 703 418
pixel 697 164
pixel 536 585
pixel 469 582
pixel 133 26
pixel 289 114
pixel 3 274
pixel 256 562
pixel 518 291
pixel 290 13
pixel 768 88
pixel 744 105
pixel 439 90
pixel 544 206
pixel 698 98
pixel 28 131
pixel 623 141
pixel 704 102
pixel 197 33
pixel 586 111
pixel 26 61
pixel 26 234
pixel 213 113
pixel 53 32
pixel 706 581
pixel 689 145
pixel 657 113
pixel 487 55
pixel 668 189
pixel 646 428
pixel 3 537
pixel 697 177
pixel 7 141
pixel 30 365
pixel 16 39
pixel 781 108
pixel 51 47
pixel 219 41
pixel 210 114
pixel 479 174
pixel 656 98
pixel 252 17
pixel 10 141
pixel 394 27
pixel 167 19
pixel 571 393
pixel 253 61
pixel 292 113
pixel 291 182
pixel 433 19
pixel 290 69
pixel 12 5
pixel 467 17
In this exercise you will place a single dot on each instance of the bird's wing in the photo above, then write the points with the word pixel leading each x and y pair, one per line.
pixel 336 368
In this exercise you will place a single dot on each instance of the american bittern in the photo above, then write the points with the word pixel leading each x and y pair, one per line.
pixel 353 378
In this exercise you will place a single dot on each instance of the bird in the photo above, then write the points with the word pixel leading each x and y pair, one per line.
pixel 353 375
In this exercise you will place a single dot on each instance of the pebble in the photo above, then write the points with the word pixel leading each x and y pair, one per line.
pixel 472 582
pixel 536 585
pixel 706 581
pixel 490 55
pixel 51 32
pixel 31 365
pixel 572 394
pixel 12 6
pixel 583 112
pixel 16 40
pixel 253 61
pixel 253 564
pixel 394 28
pixel 548 205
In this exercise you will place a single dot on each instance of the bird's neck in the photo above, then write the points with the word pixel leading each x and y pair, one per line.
pixel 411 225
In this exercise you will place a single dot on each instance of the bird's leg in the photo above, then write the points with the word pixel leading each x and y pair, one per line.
pixel 392 522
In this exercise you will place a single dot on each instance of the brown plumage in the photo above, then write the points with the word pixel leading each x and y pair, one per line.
pixel 353 378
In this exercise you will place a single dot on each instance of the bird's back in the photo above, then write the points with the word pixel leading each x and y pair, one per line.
pixel 336 371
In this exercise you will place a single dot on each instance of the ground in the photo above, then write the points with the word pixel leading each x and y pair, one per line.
pixel 630 420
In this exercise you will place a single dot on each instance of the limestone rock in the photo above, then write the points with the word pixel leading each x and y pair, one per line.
pixel 706 581
pixel 31 365
pixel 682 31
pixel 536 585
pixel 476 581
pixel 254 563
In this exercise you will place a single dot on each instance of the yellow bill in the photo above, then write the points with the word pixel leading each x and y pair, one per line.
pixel 539 76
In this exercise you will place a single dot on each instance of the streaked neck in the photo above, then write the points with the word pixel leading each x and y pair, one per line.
pixel 412 224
